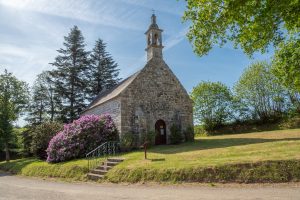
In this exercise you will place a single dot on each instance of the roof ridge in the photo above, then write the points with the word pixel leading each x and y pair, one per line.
pixel 108 92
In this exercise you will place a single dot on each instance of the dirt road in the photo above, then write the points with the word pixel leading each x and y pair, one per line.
pixel 16 188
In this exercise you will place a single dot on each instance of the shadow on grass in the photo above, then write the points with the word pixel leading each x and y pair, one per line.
pixel 15 166
pixel 157 159
pixel 212 144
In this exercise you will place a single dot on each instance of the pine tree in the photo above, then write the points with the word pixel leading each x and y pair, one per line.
pixel 70 75
pixel 44 102
pixel 103 72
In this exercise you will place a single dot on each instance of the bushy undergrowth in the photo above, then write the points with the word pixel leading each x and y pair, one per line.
pixel 189 134
pixel 148 137
pixel 127 141
pixel 41 136
pixel 249 126
pixel 80 137
pixel 176 135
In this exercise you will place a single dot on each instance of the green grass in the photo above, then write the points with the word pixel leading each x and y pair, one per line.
pixel 272 156
pixel 73 170
pixel 220 150
pixel 178 162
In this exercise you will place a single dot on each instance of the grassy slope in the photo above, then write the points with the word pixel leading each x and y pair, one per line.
pixel 215 158
pixel 207 152
pixel 219 150
pixel 72 170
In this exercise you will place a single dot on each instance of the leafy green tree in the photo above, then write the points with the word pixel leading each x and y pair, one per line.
pixel 258 90
pixel 103 71
pixel 286 64
pixel 251 24
pixel 70 75
pixel 212 104
pixel 44 102
pixel 13 100
pixel 286 67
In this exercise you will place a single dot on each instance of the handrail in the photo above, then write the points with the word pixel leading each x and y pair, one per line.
pixel 104 150
pixel 95 149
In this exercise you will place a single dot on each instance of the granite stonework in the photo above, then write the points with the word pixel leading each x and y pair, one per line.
pixel 155 94
pixel 112 107
pixel 149 97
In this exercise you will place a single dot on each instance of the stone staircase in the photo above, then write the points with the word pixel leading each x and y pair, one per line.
pixel 100 171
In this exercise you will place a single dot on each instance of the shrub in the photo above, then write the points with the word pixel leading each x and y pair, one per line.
pixel 176 136
pixel 41 136
pixel 80 137
pixel 149 137
pixel 127 141
pixel 199 130
pixel 189 134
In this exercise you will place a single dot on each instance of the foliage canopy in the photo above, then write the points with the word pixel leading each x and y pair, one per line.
pixel 253 24
pixel 212 104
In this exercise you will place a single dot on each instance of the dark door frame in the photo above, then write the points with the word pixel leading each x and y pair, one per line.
pixel 160 132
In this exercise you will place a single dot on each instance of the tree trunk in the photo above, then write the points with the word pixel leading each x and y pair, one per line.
pixel 7 157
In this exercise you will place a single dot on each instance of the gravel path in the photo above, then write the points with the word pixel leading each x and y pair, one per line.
pixel 16 188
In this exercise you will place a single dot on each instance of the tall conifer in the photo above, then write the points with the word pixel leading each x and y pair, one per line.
pixel 103 71
pixel 70 76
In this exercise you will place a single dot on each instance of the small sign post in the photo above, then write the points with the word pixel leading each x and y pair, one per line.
pixel 145 148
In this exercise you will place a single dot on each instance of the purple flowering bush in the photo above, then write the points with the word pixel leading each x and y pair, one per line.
pixel 80 137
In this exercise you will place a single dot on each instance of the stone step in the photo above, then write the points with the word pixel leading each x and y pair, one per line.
pixel 105 168
pixel 94 177
pixel 118 160
pixel 111 163
pixel 99 171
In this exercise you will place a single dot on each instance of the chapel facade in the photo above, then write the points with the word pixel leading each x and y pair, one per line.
pixel 152 99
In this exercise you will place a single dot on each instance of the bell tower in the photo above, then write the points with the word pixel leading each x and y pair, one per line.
pixel 154 40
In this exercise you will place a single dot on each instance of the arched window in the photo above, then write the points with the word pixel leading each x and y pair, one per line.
pixel 155 39
pixel 149 39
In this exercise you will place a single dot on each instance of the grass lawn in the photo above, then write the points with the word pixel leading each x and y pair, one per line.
pixel 220 150
pixel 253 157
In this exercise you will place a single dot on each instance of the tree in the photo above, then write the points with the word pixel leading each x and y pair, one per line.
pixel 70 75
pixel 286 67
pixel 253 24
pixel 212 104
pixel 44 102
pixel 103 72
pixel 13 99
pixel 258 90
pixel 286 64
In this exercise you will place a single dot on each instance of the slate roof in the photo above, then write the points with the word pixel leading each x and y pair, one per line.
pixel 113 92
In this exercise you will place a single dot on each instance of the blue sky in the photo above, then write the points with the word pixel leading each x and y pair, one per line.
pixel 31 32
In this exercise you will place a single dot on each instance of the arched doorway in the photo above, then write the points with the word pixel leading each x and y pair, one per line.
pixel 161 132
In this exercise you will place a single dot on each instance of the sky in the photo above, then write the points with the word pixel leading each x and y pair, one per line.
pixel 32 30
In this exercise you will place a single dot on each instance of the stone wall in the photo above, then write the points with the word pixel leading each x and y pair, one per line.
pixel 112 107
pixel 155 94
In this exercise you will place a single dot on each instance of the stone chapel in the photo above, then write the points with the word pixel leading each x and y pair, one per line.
pixel 151 99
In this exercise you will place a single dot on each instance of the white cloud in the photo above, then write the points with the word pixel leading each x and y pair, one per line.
pixel 98 12
pixel 27 57
pixel 175 39
pixel 25 62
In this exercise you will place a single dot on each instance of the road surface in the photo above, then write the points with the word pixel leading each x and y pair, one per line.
pixel 16 188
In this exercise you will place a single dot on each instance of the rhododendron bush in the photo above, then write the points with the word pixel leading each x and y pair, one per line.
pixel 80 137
